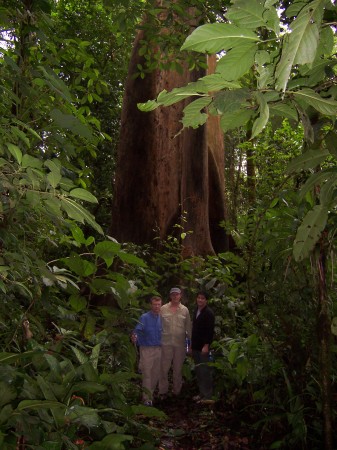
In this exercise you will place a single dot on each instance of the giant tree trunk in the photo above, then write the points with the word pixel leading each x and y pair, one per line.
pixel 162 178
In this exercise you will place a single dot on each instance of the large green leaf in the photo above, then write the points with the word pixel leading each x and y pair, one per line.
pixel 316 179
pixel 78 213
pixel 15 151
pixel 300 45
pixel 131 259
pixel 88 387
pixel 95 355
pixel 45 387
pixel 213 82
pixel 231 101
pixel 263 115
pixel 102 286
pixel 326 106
pixel 53 205
pixel 20 134
pixel 233 353
pixel 193 117
pixel 82 194
pixel 166 98
pixel 237 61
pixel 54 178
pixel 283 110
pixel 26 126
pixel 35 177
pixel 216 37
pixel 38 404
pixel 83 415
pixel 81 357
pixel 55 367
pixel 308 160
pixel 316 71
pixel 57 409
pixel 80 266
pixel 79 237
pixel 310 231
pixel 24 290
pixel 247 13
pixel 328 190
pixel 30 161
pixel 77 302
pixel 67 184
pixel 73 209
pixel 271 17
pixel 53 165
pixel 107 250
pixel 238 118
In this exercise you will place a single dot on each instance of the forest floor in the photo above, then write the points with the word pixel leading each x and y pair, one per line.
pixel 193 426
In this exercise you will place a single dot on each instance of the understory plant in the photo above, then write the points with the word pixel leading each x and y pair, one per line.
pixel 59 395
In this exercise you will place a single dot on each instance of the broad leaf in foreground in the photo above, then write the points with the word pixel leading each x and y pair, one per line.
pixel 300 45
pixel 309 232
pixel 216 37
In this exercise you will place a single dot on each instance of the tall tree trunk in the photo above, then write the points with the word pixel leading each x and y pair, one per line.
pixel 162 178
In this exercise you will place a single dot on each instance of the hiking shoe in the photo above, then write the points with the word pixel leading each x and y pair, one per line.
pixel 197 398
pixel 147 403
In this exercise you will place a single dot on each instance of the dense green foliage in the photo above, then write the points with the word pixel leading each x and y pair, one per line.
pixel 293 77
pixel 74 383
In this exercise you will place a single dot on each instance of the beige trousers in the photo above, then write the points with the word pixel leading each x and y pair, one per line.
pixel 149 365
pixel 176 357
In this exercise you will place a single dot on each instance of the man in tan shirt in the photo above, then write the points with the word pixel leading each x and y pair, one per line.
pixel 176 326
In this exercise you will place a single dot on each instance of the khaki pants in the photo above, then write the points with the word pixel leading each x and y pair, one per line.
pixel 176 357
pixel 149 365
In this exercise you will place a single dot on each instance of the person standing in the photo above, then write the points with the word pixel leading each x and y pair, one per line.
pixel 202 336
pixel 147 334
pixel 176 323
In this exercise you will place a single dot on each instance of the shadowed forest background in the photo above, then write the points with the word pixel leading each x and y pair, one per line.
pixel 146 144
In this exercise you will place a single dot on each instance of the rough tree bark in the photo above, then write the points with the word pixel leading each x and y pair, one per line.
pixel 162 178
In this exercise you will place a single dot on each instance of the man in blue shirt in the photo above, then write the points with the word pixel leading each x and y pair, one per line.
pixel 147 334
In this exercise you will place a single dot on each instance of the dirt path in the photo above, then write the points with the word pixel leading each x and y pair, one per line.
pixel 191 426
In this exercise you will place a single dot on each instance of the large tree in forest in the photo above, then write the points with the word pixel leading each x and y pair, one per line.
pixel 289 49
pixel 167 177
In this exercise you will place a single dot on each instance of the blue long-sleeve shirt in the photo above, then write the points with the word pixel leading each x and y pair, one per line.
pixel 148 330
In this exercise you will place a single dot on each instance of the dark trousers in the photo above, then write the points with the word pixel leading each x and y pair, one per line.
pixel 204 374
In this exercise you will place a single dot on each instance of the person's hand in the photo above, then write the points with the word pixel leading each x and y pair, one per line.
pixel 205 349
pixel 133 338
